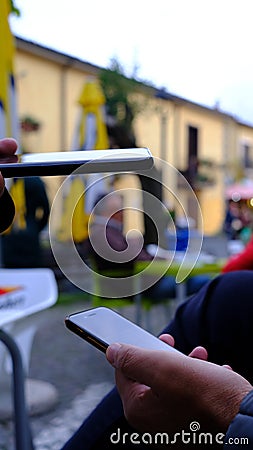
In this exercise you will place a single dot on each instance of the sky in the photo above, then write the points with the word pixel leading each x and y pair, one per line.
pixel 197 49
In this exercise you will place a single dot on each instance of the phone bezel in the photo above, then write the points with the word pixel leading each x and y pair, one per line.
pixel 89 337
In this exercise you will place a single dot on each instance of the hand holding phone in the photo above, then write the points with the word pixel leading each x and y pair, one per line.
pixel 102 327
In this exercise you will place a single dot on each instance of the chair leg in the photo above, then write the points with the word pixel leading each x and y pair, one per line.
pixel 138 306
pixel 169 309
pixel 22 427
pixel 148 320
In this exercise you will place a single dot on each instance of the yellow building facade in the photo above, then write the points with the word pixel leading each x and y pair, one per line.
pixel 176 130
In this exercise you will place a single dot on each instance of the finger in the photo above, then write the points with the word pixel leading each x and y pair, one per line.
pixel 168 339
pixel 199 353
pixel 227 367
pixel 8 146
pixel 145 366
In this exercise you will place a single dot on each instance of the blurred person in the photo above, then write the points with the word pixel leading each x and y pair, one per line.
pixel 243 258
pixel 232 222
pixel 21 245
pixel 238 220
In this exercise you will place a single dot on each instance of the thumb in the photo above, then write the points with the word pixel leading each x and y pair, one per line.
pixel 112 354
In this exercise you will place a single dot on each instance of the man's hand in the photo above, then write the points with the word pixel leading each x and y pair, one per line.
pixel 8 147
pixel 165 391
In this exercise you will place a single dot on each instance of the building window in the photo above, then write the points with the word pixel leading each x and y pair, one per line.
pixel 247 156
pixel 192 153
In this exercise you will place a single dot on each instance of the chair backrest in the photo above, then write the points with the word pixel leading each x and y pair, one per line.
pixel 24 292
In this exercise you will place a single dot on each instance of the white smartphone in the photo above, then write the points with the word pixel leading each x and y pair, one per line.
pixel 86 161
pixel 102 326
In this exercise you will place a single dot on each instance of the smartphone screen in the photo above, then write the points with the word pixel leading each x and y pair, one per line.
pixel 103 326
pixel 86 161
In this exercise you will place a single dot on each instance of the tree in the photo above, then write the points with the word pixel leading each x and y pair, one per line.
pixel 121 103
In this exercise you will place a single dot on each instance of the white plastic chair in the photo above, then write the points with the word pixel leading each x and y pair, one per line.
pixel 23 294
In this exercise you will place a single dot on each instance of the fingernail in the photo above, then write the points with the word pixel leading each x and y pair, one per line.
pixel 111 353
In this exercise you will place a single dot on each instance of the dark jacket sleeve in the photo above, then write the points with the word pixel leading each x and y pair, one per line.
pixel 7 211
pixel 241 429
